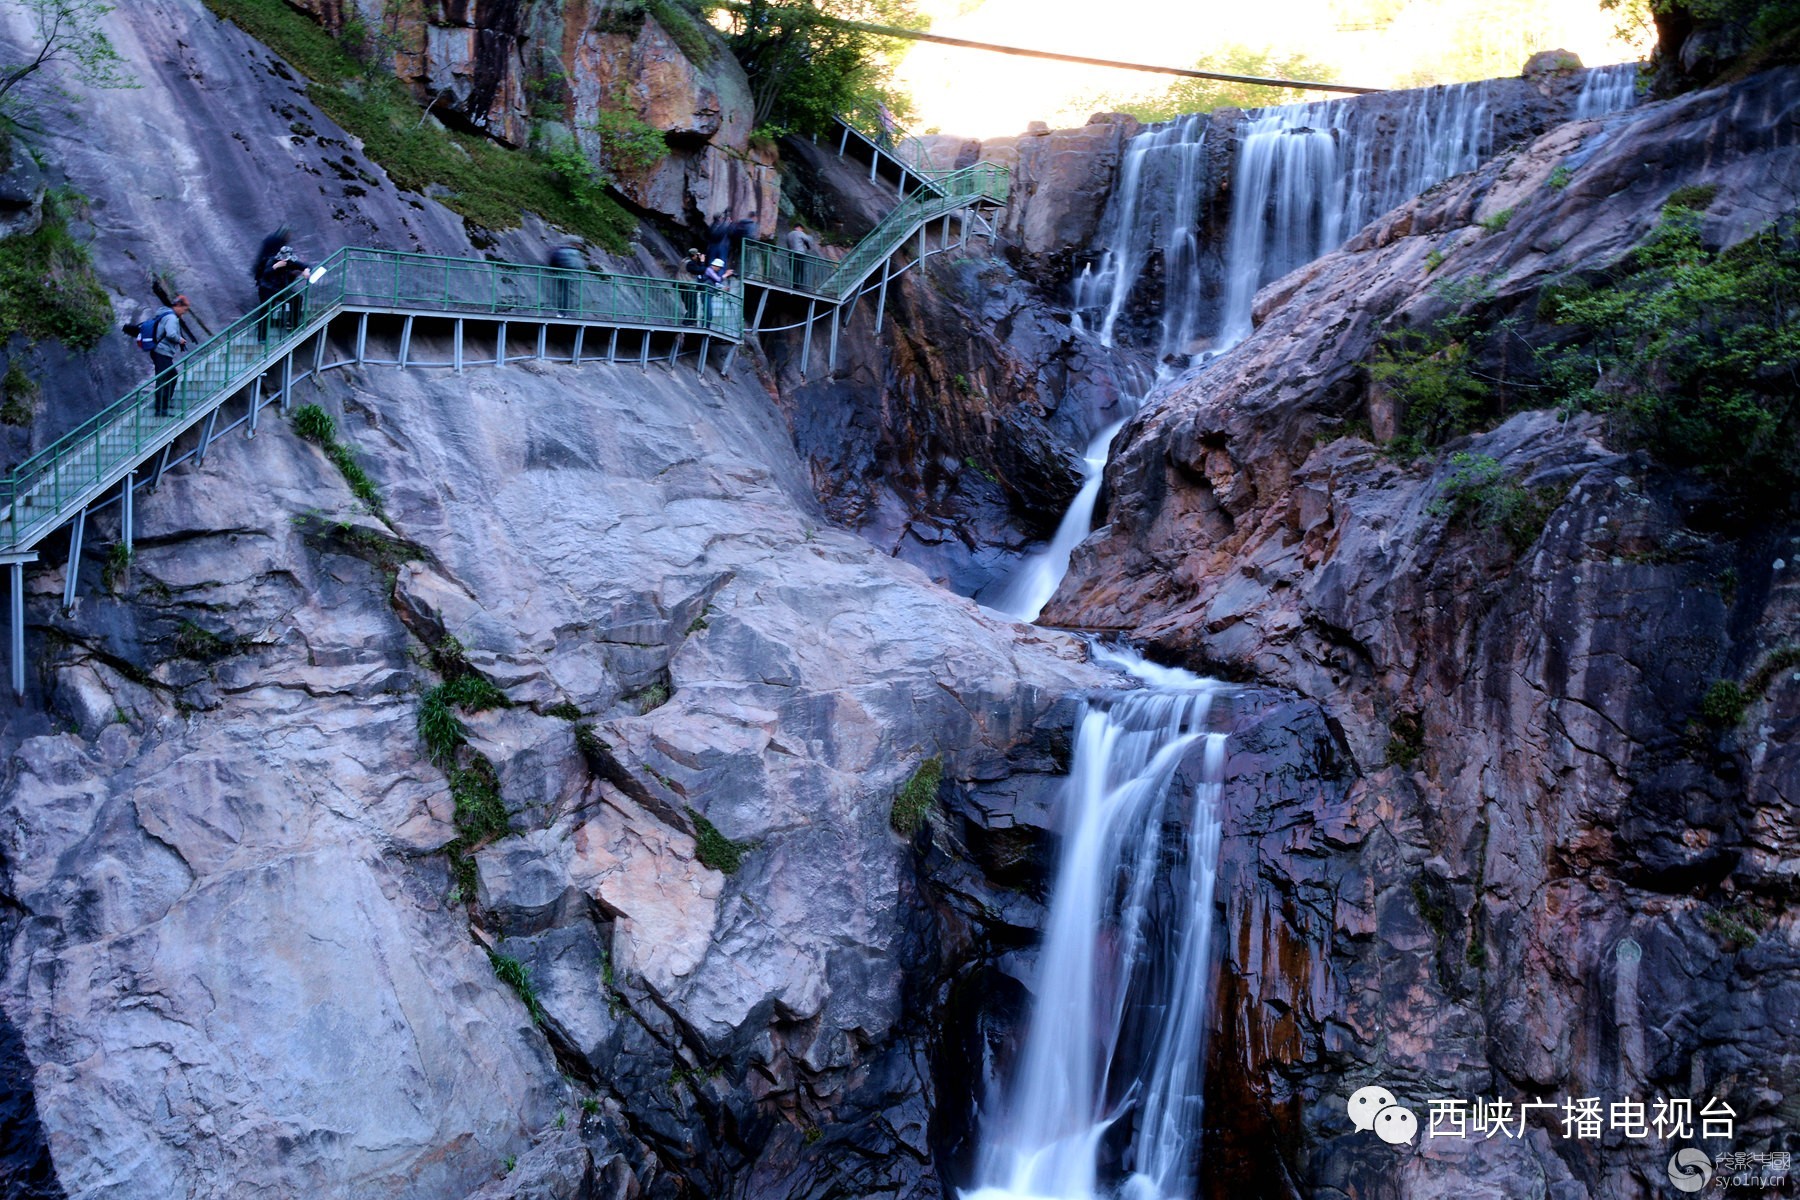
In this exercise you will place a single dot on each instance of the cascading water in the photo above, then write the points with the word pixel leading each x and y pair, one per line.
pixel 1607 90
pixel 1155 207
pixel 1106 1097
pixel 1307 176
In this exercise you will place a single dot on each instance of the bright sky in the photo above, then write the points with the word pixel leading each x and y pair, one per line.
pixel 1374 43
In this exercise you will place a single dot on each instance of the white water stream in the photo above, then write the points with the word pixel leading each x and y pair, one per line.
pixel 1108 1080
pixel 1105 1099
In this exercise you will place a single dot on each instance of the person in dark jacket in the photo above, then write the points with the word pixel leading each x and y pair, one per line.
pixel 276 276
pixel 567 258
pixel 695 268
pixel 723 238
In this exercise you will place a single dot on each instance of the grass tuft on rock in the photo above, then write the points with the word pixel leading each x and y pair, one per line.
pixel 917 797
pixel 513 973
pixel 714 849
pixel 48 289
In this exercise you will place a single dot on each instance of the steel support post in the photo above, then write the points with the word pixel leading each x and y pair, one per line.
pixel 127 508
pixel 287 383
pixel 887 265
pixel 612 347
pixel 580 335
pixel 500 347
pixel 456 344
pixel 72 575
pixel 543 338
pixel 362 338
pixel 206 434
pixel 406 341
pixel 831 358
pixel 18 625
pixel 806 342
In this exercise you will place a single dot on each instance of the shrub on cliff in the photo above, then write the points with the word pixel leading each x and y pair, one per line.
pixel 47 283
pixel 1696 352
pixel 483 181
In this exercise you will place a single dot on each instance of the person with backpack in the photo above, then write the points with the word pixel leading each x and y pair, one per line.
pixel 161 335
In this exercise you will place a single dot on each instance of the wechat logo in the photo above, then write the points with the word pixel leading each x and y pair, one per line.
pixel 1375 1108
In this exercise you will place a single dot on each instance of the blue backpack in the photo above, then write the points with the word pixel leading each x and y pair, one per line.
pixel 146 330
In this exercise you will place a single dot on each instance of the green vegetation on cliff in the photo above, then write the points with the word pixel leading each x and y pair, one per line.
pixel 480 179
pixel 1204 95
pixel 47 283
pixel 1696 352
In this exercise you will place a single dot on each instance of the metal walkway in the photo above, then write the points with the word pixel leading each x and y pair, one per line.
pixel 831 287
pixel 489 308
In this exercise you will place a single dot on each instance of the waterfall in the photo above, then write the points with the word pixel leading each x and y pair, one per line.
pixel 1034 582
pixel 1607 90
pixel 1307 176
pixel 1156 206
pixel 1105 1098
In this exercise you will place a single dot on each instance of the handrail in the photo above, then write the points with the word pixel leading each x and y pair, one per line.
pixel 905 149
pixel 39 493
pixel 772 265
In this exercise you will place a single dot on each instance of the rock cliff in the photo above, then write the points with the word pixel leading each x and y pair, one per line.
pixel 250 942
pixel 1550 875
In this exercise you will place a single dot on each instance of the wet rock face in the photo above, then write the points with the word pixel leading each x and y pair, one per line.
pixel 1545 873
pixel 259 829
pixel 947 438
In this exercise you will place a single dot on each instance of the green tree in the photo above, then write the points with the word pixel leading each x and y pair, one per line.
pixel 807 60
pixel 68 32
pixel 1204 95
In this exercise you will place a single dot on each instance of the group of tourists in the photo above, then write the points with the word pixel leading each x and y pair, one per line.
pixel 162 333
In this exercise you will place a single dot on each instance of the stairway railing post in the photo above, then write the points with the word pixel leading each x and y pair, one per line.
pixel 806 342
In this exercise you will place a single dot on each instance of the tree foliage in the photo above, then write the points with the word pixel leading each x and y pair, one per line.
pixel 1697 351
pixel 805 65
pixel 68 33
pixel 1204 95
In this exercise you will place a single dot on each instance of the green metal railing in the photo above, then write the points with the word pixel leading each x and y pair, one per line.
pixel 774 266
pixel 45 490
pixel 903 148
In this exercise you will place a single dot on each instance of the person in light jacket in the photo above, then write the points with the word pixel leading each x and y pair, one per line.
pixel 170 341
